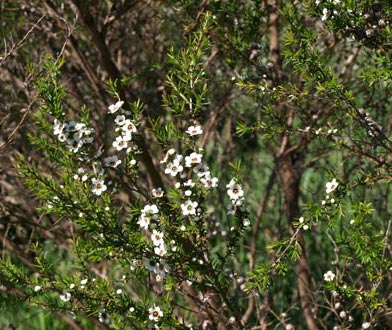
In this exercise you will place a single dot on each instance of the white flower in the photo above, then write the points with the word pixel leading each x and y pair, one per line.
pixel 189 207
pixel 178 158
pixel 128 127
pixel 120 143
pixel 120 120
pixel 151 209
pixel 84 281
pixel 189 183
pixel 58 127
pixel 193 158
pixel 168 154
pixel 66 296
pixel 62 137
pixel 246 222
pixel 301 220
pixel 235 191
pixel 80 127
pixel 231 209
pixel 157 238
pixel 157 192
pixel 194 130
pixel 329 276
pixel 87 131
pixel 201 170
pixel 37 288
pixel 115 107
pixel 98 186
pixel 119 291
pixel 325 14
pixel 366 325
pixel 209 182
pixel 155 313
pixel 112 161
pixel 331 186
pixel 144 221
pixel 173 168
pixel 160 250
pixel 74 144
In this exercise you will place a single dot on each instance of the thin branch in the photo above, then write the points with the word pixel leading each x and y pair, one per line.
pixel 14 48
pixel 253 247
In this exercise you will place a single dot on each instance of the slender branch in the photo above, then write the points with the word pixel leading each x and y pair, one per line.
pixel 349 61
pixel 253 247
pixel 20 43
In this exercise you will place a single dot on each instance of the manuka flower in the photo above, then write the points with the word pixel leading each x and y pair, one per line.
pixel 66 296
pixel 98 186
pixel 329 276
pixel 331 186
pixel 157 238
pixel 192 159
pixel 234 191
pixel 209 182
pixel 173 168
pixel 115 107
pixel 194 130
pixel 120 143
pixel 189 207
pixel 155 313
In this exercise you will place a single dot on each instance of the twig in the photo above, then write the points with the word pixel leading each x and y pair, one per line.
pixel 253 248
pixel 349 61
pixel 9 138
pixel 19 44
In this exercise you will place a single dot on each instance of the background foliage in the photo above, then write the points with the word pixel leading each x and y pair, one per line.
pixel 291 97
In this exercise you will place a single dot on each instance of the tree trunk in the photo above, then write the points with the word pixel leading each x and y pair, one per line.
pixel 291 176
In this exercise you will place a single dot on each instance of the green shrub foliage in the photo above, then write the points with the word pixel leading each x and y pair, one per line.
pixel 196 165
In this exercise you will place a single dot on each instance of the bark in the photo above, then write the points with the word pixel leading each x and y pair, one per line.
pixel 290 173
pixel 290 177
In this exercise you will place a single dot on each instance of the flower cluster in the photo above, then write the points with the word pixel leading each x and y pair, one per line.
pixel 127 128
pixel 149 215
pixel 302 223
pixel 74 134
pixel 190 173
pixel 373 128
pixel 329 188
pixel 184 168
pixel 342 14
pixel 123 125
